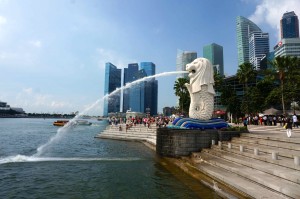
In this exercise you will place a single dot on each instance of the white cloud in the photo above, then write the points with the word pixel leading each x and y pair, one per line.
pixel 2 20
pixel 28 91
pixel 36 43
pixel 270 12
pixel 32 100
pixel 104 56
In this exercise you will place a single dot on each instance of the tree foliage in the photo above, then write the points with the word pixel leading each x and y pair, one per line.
pixel 182 92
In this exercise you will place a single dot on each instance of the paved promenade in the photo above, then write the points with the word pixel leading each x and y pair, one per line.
pixel 261 164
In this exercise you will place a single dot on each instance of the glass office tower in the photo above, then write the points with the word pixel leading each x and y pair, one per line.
pixel 243 29
pixel 289 25
pixel 129 76
pixel 150 89
pixel 258 47
pixel 112 81
pixel 214 53
pixel 183 58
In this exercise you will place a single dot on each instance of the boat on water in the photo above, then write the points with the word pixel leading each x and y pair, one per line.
pixel 60 122
pixel 83 122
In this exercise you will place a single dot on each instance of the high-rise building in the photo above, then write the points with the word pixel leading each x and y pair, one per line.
pixel 214 53
pixel 258 47
pixel 129 76
pixel 288 47
pixel 112 82
pixel 141 97
pixel 289 25
pixel 151 89
pixel 243 29
pixel 182 59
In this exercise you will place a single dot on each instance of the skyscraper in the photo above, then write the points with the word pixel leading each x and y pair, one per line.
pixel 141 97
pixel 112 81
pixel 289 25
pixel 129 76
pixel 243 29
pixel 214 53
pixel 182 59
pixel 151 89
pixel 258 47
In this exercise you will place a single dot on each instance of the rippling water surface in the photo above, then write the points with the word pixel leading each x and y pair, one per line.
pixel 80 166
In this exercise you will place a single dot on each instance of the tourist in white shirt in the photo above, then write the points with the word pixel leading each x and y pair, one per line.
pixel 295 121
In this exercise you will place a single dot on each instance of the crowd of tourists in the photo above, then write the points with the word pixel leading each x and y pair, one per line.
pixel 272 120
pixel 159 121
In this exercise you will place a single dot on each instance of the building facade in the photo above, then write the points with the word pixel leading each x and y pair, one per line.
pixel 112 81
pixel 243 29
pixel 259 47
pixel 141 97
pixel 289 25
pixel 288 47
pixel 183 58
pixel 214 53
pixel 129 76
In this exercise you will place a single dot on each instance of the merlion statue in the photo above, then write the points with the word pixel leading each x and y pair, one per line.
pixel 201 89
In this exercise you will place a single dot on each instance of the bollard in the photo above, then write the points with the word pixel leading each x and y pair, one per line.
pixel 220 144
pixel 275 155
pixel 213 142
pixel 229 146
pixel 241 148
pixel 297 160
pixel 256 151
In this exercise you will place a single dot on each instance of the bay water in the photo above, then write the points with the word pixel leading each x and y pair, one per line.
pixel 81 166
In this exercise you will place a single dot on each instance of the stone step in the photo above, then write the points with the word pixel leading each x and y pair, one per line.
pixel 129 132
pixel 132 130
pixel 289 150
pixel 263 156
pixel 126 135
pixel 273 143
pixel 279 185
pixel 276 170
pixel 129 135
pixel 271 137
pixel 250 188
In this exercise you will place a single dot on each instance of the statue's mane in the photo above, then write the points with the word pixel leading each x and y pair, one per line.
pixel 204 76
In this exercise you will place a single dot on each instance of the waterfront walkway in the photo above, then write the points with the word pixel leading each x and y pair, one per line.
pixel 261 164
pixel 134 133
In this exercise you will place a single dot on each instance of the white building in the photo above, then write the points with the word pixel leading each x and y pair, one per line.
pixel 288 47
pixel 258 47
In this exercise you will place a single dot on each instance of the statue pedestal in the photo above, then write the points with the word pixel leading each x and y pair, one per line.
pixel 182 142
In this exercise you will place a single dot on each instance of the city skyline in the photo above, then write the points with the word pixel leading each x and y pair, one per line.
pixel 53 53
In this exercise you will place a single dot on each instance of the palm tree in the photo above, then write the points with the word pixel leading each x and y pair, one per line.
pixel 280 64
pixel 182 92
pixel 245 74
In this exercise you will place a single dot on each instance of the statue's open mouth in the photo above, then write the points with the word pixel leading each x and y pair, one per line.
pixel 192 71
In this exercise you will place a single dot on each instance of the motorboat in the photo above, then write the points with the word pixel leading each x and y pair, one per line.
pixel 83 122
pixel 60 122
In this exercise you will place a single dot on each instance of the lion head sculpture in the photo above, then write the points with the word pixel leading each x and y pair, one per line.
pixel 201 73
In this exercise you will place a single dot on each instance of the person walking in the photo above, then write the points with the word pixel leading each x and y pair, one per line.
pixel 295 121
pixel 289 126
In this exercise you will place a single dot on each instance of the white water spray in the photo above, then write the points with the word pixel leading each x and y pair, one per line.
pixel 61 131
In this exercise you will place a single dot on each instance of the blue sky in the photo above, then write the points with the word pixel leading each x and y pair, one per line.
pixel 53 52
